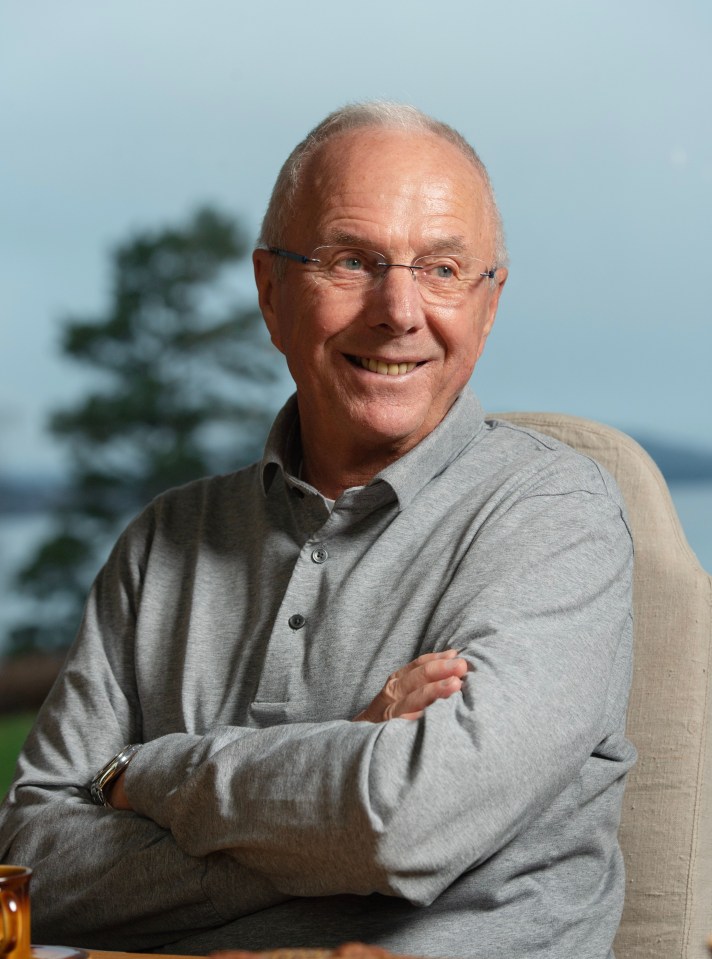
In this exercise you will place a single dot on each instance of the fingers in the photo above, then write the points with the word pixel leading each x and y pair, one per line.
pixel 414 704
pixel 424 672
pixel 410 690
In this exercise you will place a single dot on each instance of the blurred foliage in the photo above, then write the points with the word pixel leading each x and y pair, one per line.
pixel 182 371
pixel 13 731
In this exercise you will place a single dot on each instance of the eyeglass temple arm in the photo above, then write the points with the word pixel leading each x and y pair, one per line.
pixel 297 257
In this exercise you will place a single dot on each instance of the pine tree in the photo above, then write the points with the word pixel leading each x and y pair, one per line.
pixel 183 367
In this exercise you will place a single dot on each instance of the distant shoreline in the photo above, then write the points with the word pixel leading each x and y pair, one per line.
pixel 678 462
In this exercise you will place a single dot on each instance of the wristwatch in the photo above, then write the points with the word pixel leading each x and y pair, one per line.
pixel 111 772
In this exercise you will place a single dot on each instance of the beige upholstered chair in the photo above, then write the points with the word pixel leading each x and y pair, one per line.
pixel 666 830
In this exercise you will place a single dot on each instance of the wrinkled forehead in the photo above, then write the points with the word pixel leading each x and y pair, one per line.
pixel 395 180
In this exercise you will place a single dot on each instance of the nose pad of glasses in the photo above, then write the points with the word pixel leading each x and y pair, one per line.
pixel 401 266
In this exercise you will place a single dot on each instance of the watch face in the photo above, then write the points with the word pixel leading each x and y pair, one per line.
pixel 58 952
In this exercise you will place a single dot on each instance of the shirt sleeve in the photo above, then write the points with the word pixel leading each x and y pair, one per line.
pixel 104 878
pixel 541 608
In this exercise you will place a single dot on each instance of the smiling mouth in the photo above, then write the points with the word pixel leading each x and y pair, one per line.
pixel 379 366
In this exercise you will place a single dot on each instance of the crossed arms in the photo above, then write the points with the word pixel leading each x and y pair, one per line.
pixel 406 694
pixel 235 819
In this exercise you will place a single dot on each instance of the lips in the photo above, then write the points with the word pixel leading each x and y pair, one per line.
pixel 382 367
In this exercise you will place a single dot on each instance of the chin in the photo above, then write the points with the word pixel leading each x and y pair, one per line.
pixel 392 427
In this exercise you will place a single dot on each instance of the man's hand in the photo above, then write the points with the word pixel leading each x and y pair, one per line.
pixel 410 690
pixel 407 694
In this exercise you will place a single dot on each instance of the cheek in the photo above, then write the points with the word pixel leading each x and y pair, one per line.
pixel 291 319
pixel 463 346
pixel 461 369
pixel 479 343
pixel 460 334
pixel 476 333
pixel 305 335
pixel 318 318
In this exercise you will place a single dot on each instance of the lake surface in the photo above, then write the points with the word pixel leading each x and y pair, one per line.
pixel 19 535
pixel 693 502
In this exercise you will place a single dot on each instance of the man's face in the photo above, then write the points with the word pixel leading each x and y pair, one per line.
pixel 404 195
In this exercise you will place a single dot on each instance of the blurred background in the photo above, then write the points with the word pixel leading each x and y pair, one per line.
pixel 139 145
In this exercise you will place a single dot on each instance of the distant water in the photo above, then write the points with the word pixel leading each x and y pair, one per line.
pixel 693 502
pixel 19 535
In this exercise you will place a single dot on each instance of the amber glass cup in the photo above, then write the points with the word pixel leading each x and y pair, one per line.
pixel 15 912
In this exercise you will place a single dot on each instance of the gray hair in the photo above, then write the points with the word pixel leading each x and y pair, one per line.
pixel 354 116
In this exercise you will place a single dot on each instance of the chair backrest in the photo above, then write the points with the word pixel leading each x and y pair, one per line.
pixel 666 827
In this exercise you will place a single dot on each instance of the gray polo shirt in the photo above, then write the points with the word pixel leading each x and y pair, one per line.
pixel 237 628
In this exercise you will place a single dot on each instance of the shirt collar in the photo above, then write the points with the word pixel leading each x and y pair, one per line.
pixel 407 475
pixel 283 449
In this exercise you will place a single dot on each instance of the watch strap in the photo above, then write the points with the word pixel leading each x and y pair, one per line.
pixel 110 772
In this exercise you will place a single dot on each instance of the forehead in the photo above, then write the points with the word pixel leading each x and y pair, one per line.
pixel 401 188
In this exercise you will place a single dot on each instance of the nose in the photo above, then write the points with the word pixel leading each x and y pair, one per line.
pixel 395 302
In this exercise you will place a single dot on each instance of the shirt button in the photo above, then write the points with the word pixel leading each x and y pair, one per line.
pixel 320 555
pixel 296 621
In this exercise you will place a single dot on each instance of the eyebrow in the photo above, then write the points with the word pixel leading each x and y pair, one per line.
pixel 454 243
pixel 341 238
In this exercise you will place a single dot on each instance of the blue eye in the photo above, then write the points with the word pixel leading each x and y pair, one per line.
pixel 347 262
pixel 444 272
pixel 351 263
pixel 438 269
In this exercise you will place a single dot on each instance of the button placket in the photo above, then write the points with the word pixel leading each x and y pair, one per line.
pixel 284 663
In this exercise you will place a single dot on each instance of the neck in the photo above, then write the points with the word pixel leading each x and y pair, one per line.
pixel 331 472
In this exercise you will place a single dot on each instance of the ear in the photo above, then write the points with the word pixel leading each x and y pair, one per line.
pixel 491 308
pixel 267 293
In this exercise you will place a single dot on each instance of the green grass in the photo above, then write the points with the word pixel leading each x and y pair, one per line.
pixel 13 730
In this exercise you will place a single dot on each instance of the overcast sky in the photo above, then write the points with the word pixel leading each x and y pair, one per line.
pixel 593 117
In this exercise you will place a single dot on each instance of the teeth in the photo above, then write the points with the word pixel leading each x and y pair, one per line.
pixel 386 369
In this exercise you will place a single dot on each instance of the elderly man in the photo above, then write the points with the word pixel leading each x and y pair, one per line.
pixel 244 622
